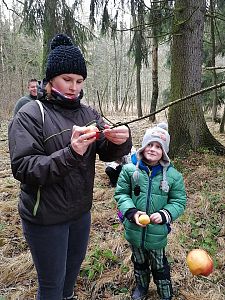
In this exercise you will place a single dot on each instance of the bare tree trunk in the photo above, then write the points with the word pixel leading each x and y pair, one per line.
pixel 155 84
pixel 50 28
pixel 124 101
pixel 1 54
pixel 138 84
pixel 186 120
pixel 116 73
pixel 213 61
pixel 138 63
pixel 222 121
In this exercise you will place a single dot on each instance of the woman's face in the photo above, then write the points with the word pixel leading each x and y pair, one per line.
pixel 69 85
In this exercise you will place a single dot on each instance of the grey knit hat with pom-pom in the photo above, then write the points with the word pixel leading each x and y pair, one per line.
pixel 158 134
pixel 64 58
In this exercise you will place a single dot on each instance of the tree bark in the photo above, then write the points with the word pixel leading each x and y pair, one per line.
pixel 138 85
pixel 213 61
pixel 50 28
pixel 155 84
pixel 138 63
pixel 116 74
pixel 222 121
pixel 186 120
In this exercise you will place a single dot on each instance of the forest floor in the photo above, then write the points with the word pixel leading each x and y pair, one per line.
pixel 107 270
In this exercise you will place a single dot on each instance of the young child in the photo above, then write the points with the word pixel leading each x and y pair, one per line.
pixel 150 185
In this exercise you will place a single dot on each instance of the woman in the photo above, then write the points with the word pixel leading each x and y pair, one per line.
pixel 53 156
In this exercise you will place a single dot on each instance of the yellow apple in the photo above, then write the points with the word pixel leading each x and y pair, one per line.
pixel 199 262
pixel 144 219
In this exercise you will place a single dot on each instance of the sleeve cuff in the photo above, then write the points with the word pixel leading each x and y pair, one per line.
pixel 130 214
pixel 166 216
pixel 73 153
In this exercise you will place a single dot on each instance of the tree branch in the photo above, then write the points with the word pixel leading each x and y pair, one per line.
pixel 202 91
pixel 214 68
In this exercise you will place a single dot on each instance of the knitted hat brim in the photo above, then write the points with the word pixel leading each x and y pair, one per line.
pixel 165 161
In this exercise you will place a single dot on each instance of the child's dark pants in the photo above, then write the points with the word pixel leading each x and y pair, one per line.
pixel 147 262
pixel 57 251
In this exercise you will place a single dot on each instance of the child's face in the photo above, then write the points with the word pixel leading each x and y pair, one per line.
pixel 153 153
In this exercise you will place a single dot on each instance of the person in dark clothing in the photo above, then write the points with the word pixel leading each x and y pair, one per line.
pixel 113 168
pixel 53 151
pixel 33 89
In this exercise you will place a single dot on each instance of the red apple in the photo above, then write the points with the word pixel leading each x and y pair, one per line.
pixel 92 128
pixel 199 262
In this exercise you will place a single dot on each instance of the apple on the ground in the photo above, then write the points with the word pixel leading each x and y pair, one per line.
pixel 199 262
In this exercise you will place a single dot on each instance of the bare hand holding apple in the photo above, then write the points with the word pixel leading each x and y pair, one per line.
pixel 199 262
pixel 92 128
pixel 144 219
pixel 141 218
pixel 81 138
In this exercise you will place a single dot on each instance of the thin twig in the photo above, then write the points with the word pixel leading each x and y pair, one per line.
pixel 10 9
pixel 214 68
pixel 100 108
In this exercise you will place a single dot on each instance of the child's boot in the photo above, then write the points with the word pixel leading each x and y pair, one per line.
pixel 139 293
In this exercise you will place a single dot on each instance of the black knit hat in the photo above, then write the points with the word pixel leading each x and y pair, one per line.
pixel 64 58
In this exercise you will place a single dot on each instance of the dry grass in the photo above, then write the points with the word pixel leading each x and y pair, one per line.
pixel 107 270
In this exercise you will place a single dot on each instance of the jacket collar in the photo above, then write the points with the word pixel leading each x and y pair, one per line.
pixel 143 166
pixel 60 100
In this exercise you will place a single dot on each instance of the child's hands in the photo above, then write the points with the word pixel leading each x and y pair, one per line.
pixel 156 218
pixel 136 217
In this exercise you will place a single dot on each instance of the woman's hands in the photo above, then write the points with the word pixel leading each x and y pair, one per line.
pixel 82 137
pixel 117 135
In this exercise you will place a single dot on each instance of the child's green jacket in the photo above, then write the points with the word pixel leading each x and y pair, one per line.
pixel 151 199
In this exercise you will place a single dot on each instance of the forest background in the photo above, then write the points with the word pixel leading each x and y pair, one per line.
pixel 142 56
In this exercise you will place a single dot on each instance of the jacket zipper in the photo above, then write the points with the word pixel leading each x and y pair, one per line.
pixel 147 206
pixel 37 201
